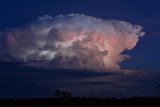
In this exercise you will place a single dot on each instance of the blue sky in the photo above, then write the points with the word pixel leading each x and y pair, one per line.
pixel 144 57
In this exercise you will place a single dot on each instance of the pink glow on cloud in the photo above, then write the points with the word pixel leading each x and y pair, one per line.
pixel 75 41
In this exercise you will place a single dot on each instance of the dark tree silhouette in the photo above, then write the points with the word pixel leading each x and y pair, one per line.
pixel 66 94
pixel 57 93
pixel 62 94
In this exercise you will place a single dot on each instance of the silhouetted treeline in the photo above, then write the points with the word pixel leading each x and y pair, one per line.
pixel 65 99
pixel 83 102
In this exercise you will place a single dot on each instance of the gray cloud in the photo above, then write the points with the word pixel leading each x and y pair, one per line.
pixel 71 41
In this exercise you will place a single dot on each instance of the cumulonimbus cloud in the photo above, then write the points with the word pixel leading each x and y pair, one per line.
pixel 72 41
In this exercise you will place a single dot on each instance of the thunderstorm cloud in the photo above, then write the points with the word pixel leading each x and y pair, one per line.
pixel 71 41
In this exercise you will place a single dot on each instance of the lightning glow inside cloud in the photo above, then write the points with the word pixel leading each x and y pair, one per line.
pixel 72 41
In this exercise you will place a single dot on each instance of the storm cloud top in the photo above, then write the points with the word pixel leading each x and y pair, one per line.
pixel 71 41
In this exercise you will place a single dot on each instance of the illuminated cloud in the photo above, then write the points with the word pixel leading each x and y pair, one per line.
pixel 72 41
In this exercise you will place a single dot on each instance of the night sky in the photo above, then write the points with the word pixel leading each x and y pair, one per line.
pixel 19 81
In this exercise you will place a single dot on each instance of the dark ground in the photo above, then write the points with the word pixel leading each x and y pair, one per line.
pixel 81 102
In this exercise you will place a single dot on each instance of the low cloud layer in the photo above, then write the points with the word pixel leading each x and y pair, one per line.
pixel 71 41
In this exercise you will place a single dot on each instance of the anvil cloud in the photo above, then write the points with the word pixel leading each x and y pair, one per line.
pixel 71 41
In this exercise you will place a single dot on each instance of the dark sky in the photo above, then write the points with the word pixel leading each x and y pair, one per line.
pixel 145 56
